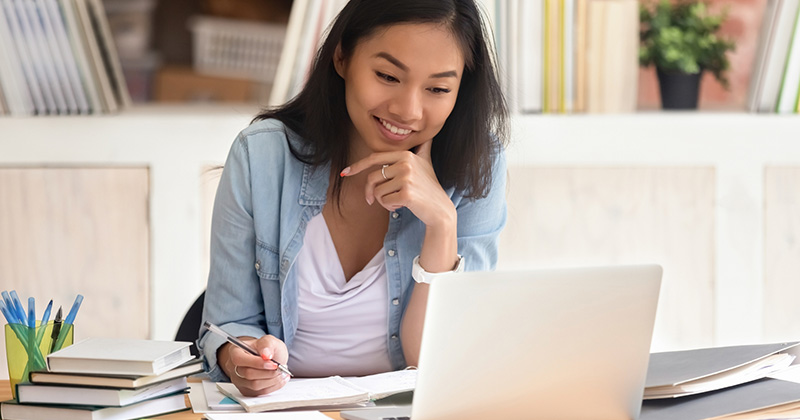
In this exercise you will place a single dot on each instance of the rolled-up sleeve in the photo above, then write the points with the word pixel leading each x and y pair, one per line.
pixel 233 295
pixel 480 222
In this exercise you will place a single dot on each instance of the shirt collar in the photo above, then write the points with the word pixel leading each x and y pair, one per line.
pixel 314 189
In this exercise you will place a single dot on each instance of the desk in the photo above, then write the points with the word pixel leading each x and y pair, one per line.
pixel 5 394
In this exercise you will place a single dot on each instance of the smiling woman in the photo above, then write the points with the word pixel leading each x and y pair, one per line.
pixel 336 209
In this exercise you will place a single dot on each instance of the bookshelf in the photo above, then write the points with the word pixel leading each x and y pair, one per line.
pixel 720 185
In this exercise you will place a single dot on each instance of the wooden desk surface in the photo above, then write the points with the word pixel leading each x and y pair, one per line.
pixel 5 394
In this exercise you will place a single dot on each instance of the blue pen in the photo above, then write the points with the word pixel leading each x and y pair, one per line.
pixel 9 316
pixel 9 303
pixel 18 307
pixel 32 312
pixel 74 311
pixel 43 325
pixel 46 316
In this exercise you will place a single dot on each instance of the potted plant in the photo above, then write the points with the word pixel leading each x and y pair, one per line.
pixel 680 40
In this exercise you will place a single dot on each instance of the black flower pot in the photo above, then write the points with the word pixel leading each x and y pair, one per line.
pixel 679 90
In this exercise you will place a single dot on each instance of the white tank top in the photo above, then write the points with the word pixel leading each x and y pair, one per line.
pixel 342 326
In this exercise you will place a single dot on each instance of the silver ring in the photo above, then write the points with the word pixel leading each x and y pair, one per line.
pixel 236 371
pixel 383 172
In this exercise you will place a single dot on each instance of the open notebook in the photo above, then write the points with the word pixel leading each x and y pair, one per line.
pixel 331 391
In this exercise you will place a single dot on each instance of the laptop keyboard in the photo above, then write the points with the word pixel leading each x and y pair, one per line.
pixel 396 418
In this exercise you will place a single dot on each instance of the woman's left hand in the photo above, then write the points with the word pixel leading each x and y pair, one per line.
pixel 406 179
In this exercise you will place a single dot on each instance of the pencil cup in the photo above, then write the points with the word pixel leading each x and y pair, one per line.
pixel 27 349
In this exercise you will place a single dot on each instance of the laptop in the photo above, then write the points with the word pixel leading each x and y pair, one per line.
pixel 544 344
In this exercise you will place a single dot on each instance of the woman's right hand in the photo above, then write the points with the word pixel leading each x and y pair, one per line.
pixel 255 375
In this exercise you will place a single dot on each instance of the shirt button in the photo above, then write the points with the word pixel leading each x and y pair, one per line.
pixel 395 302
pixel 284 264
pixel 391 253
pixel 258 265
pixel 395 215
pixel 394 336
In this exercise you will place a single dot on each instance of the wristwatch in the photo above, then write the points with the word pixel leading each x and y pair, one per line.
pixel 421 276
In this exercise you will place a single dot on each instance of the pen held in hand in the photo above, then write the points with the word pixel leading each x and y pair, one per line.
pixel 242 345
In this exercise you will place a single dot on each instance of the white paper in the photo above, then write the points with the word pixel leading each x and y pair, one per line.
pixel 293 415
pixel 307 392
pixel 385 384
pixel 791 374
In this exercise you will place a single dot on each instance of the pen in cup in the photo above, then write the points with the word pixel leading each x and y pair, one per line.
pixel 239 343
pixel 56 330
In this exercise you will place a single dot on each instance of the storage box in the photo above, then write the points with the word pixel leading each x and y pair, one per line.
pixel 238 49
pixel 182 84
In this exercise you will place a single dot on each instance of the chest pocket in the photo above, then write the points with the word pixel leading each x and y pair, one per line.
pixel 267 267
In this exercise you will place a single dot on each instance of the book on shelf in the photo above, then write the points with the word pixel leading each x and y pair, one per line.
pixel 120 356
pixel 11 410
pixel 115 381
pixel 30 393
pixel 308 21
pixel 790 84
pixel 778 29
pixel 330 391
pixel 58 57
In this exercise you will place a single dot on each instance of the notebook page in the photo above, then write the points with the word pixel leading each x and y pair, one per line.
pixel 299 393
pixel 384 384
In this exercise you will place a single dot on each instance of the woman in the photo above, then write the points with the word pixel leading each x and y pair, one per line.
pixel 335 210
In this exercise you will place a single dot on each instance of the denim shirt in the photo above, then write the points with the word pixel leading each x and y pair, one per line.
pixel 264 201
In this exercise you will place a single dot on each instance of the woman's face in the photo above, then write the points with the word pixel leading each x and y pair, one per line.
pixel 400 86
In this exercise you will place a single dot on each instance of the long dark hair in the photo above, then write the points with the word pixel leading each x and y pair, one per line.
pixel 463 151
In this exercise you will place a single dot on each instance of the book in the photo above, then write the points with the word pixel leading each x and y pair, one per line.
pixel 28 393
pixel 42 64
pixel 283 74
pixel 108 51
pixel 23 57
pixel 787 94
pixel 88 78
pixel 62 40
pixel 44 26
pixel 688 372
pixel 775 57
pixel 530 43
pixel 12 410
pixel 765 40
pixel 12 78
pixel 116 381
pixel 120 356
pixel 612 47
pixel 330 391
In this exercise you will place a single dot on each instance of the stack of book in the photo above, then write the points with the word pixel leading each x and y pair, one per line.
pixel 775 85
pixel 107 378
pixel 58 57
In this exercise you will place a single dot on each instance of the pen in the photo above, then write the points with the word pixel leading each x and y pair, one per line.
pixel 239 343
pixel 56 330
pixel 43 325
pixel 18 308
pixel 74 311
pixel 31 312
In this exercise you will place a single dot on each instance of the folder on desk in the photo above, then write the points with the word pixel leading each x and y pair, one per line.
pixel 684 373
pixel 751 397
